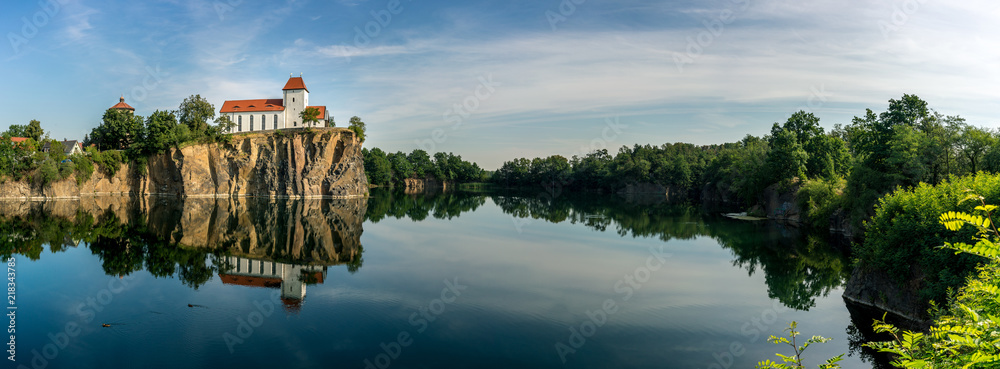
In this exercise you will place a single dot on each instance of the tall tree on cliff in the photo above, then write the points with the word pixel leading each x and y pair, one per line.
pixel 358 127
pixel 119 129
pixel 196 112
pixel 34 130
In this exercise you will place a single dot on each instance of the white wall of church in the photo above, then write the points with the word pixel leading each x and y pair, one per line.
pixel 257 121
pixel 295 102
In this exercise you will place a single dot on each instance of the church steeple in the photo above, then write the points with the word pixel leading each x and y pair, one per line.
pixel 121 105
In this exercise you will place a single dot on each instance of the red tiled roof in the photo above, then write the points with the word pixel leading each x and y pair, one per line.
pixel 18 139
pixel 236 106
pixel 248 281
pixel 295 83
pixel 122 105
pixel 322 111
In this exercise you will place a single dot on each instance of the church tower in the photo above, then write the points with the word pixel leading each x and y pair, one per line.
pixel 296 99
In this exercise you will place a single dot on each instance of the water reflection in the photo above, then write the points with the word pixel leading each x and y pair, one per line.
pixel 195 239
pixel 798 266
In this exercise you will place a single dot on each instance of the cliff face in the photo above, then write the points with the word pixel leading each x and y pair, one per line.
pixel 321 162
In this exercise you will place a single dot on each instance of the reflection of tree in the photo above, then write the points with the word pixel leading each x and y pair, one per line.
pixel 860 332
pixel 447 205
pixel 797 268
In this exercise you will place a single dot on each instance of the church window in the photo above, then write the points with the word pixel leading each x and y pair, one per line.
pixel 276 121
pixel 239 123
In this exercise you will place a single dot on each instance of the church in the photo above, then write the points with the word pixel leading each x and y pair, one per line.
pixel 272 114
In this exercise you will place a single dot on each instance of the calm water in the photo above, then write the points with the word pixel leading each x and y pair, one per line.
pixel 413 281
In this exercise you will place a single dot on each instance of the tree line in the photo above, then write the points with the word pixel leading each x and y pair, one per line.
pixel 394 168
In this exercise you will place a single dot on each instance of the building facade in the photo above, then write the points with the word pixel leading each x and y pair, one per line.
pixel 271 114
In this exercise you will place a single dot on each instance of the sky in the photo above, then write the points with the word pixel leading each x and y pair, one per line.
pixel 497 80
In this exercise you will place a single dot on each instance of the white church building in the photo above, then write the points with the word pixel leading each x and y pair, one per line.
pixel 272 114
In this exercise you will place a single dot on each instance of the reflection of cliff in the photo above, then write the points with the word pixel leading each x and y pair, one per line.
pixel 168 235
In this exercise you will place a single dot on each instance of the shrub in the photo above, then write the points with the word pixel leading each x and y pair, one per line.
pixel 84 168
pixel 903 237
pixel 109 161
pixel 47 171
pixel 818 199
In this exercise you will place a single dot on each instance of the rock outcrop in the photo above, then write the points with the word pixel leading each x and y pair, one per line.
pixel 302 163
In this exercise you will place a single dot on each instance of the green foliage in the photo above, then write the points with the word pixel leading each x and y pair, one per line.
pixel 819 198
pixel 163 132
pixel 795 361
pixel 48 171
pixel 83 166
pixel 392 169
pixel 34 130
pixel 119 129
pixel 310 116
pixel 195 112
pixel 358 127
pixel 967 334
pixel 109 161
pixel 900 239
pixel 377 167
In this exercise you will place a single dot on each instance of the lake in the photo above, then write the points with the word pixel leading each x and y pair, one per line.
pixel 453 280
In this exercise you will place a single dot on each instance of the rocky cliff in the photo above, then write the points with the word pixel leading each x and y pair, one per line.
pixel 304 163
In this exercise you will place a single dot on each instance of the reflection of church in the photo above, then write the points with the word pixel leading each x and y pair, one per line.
pixel 291 279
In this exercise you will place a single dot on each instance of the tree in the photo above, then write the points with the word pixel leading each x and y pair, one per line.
pixel 309 116
pixel 118 130
pixel 224 124
pixel 421 162
pixel 161 131
pixel 358 127
pixel 786 159
pixel 196 112
pixel 34 131
pixel 973 144
pixel 377 166
pixel 16 130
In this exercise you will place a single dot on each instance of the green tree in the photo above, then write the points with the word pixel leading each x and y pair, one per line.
pixel 421 163
pixel 358 127
pixel 34 131
pixel 377 166
pixel 16 130
pixel 795 361
pixel 786 159
pixel 224 124
pixel 161 131
pixel 195 112
pixel 973 144
pixel 118 130
pixel 309 116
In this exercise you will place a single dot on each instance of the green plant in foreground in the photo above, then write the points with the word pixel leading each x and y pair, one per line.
pixel 967 335
pixel 795 361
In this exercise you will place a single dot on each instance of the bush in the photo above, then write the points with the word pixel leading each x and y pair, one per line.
pixel 84 168
pixel 66 168
pixel 109 161
pixel 903 237
pixel 818 199
pixel 47 171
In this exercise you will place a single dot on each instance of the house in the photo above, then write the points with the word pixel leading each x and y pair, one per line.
pixel 69 147
pixel 270 114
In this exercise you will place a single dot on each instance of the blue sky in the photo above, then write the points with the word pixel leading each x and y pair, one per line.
pixel 529 78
